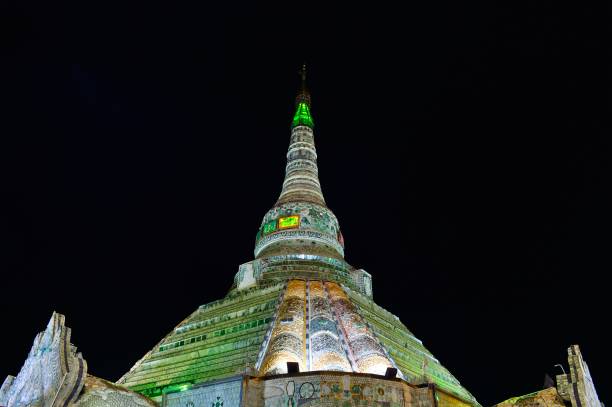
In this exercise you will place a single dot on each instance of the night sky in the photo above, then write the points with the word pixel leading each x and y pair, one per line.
pixel 462 146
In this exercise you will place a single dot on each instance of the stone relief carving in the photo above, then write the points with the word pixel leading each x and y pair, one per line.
pixel 52 375
pixel 55 375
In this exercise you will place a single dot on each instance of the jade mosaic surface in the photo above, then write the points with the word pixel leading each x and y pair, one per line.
pixel 219 340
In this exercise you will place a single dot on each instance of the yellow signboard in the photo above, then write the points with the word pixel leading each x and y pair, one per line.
pixel 289 222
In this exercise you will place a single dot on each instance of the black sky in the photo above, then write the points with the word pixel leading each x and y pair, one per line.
pixel 462 147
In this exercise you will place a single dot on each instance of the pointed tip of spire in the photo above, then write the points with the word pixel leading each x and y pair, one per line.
pixel 302 73
pixel 303 94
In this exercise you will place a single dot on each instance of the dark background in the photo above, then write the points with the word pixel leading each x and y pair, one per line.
pixel 461 145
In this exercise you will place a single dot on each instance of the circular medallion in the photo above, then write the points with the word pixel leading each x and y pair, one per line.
pixel 306 390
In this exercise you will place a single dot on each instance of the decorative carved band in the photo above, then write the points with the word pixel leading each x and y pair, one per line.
pixel 295 235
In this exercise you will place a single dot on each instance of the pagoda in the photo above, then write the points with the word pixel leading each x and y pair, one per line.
pixel 297 328
pixel 297 313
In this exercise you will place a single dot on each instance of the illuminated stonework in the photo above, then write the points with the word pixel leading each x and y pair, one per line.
pixel 287 343
pixel 297 301
pixel 327 350
pixel 302 175
pixel 313 308
pixel 334 336
pixel 364 348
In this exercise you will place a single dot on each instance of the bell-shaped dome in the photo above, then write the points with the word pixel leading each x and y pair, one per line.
pixel 299 227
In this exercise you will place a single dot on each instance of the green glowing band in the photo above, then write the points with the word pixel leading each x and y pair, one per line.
pixel 302 116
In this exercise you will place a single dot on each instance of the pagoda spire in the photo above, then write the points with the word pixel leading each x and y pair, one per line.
pixel 301 173
pixel 302 116
pixel 300 223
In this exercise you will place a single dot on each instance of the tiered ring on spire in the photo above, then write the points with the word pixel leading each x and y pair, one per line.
pixel 300 222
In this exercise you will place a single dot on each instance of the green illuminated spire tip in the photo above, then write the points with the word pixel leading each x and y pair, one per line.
pixel 302 116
